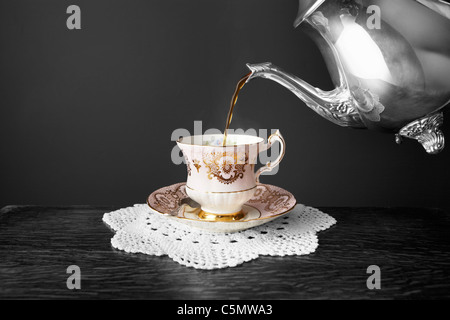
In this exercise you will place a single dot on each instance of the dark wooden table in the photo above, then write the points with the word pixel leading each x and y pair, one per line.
pixel 411 247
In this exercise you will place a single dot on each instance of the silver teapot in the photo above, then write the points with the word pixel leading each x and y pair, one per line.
pixel 389 61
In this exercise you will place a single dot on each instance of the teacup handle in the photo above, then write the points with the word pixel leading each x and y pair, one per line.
pixel 270 165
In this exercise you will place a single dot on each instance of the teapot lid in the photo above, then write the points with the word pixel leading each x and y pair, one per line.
pixel 306 8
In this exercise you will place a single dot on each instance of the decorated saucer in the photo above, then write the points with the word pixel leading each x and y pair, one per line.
pixel 268 203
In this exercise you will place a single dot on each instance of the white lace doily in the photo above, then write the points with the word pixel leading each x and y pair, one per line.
pixel 139 230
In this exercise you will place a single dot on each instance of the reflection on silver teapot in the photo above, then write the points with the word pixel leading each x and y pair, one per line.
pixel 389 60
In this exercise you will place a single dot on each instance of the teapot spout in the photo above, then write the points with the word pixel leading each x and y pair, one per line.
pixel 336 106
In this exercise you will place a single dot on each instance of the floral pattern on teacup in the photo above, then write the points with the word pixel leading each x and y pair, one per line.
pixel 226 167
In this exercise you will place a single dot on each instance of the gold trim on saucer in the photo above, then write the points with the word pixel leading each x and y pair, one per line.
pixel 243 219
pixel 206 216
pixel 264 218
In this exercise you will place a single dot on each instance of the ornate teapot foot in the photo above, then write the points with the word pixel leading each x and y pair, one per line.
pixel 426 131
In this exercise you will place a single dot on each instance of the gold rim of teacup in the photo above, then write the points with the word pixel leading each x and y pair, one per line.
pixel 221 146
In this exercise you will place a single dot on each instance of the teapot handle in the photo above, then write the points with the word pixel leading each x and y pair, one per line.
pixel 270 165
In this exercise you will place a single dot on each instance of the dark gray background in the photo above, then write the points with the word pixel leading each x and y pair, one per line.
pixel 87 115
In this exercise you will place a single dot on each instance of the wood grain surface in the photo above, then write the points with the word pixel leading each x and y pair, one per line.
pixel 411 246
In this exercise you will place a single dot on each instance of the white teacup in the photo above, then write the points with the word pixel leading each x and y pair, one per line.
pixel 222 178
